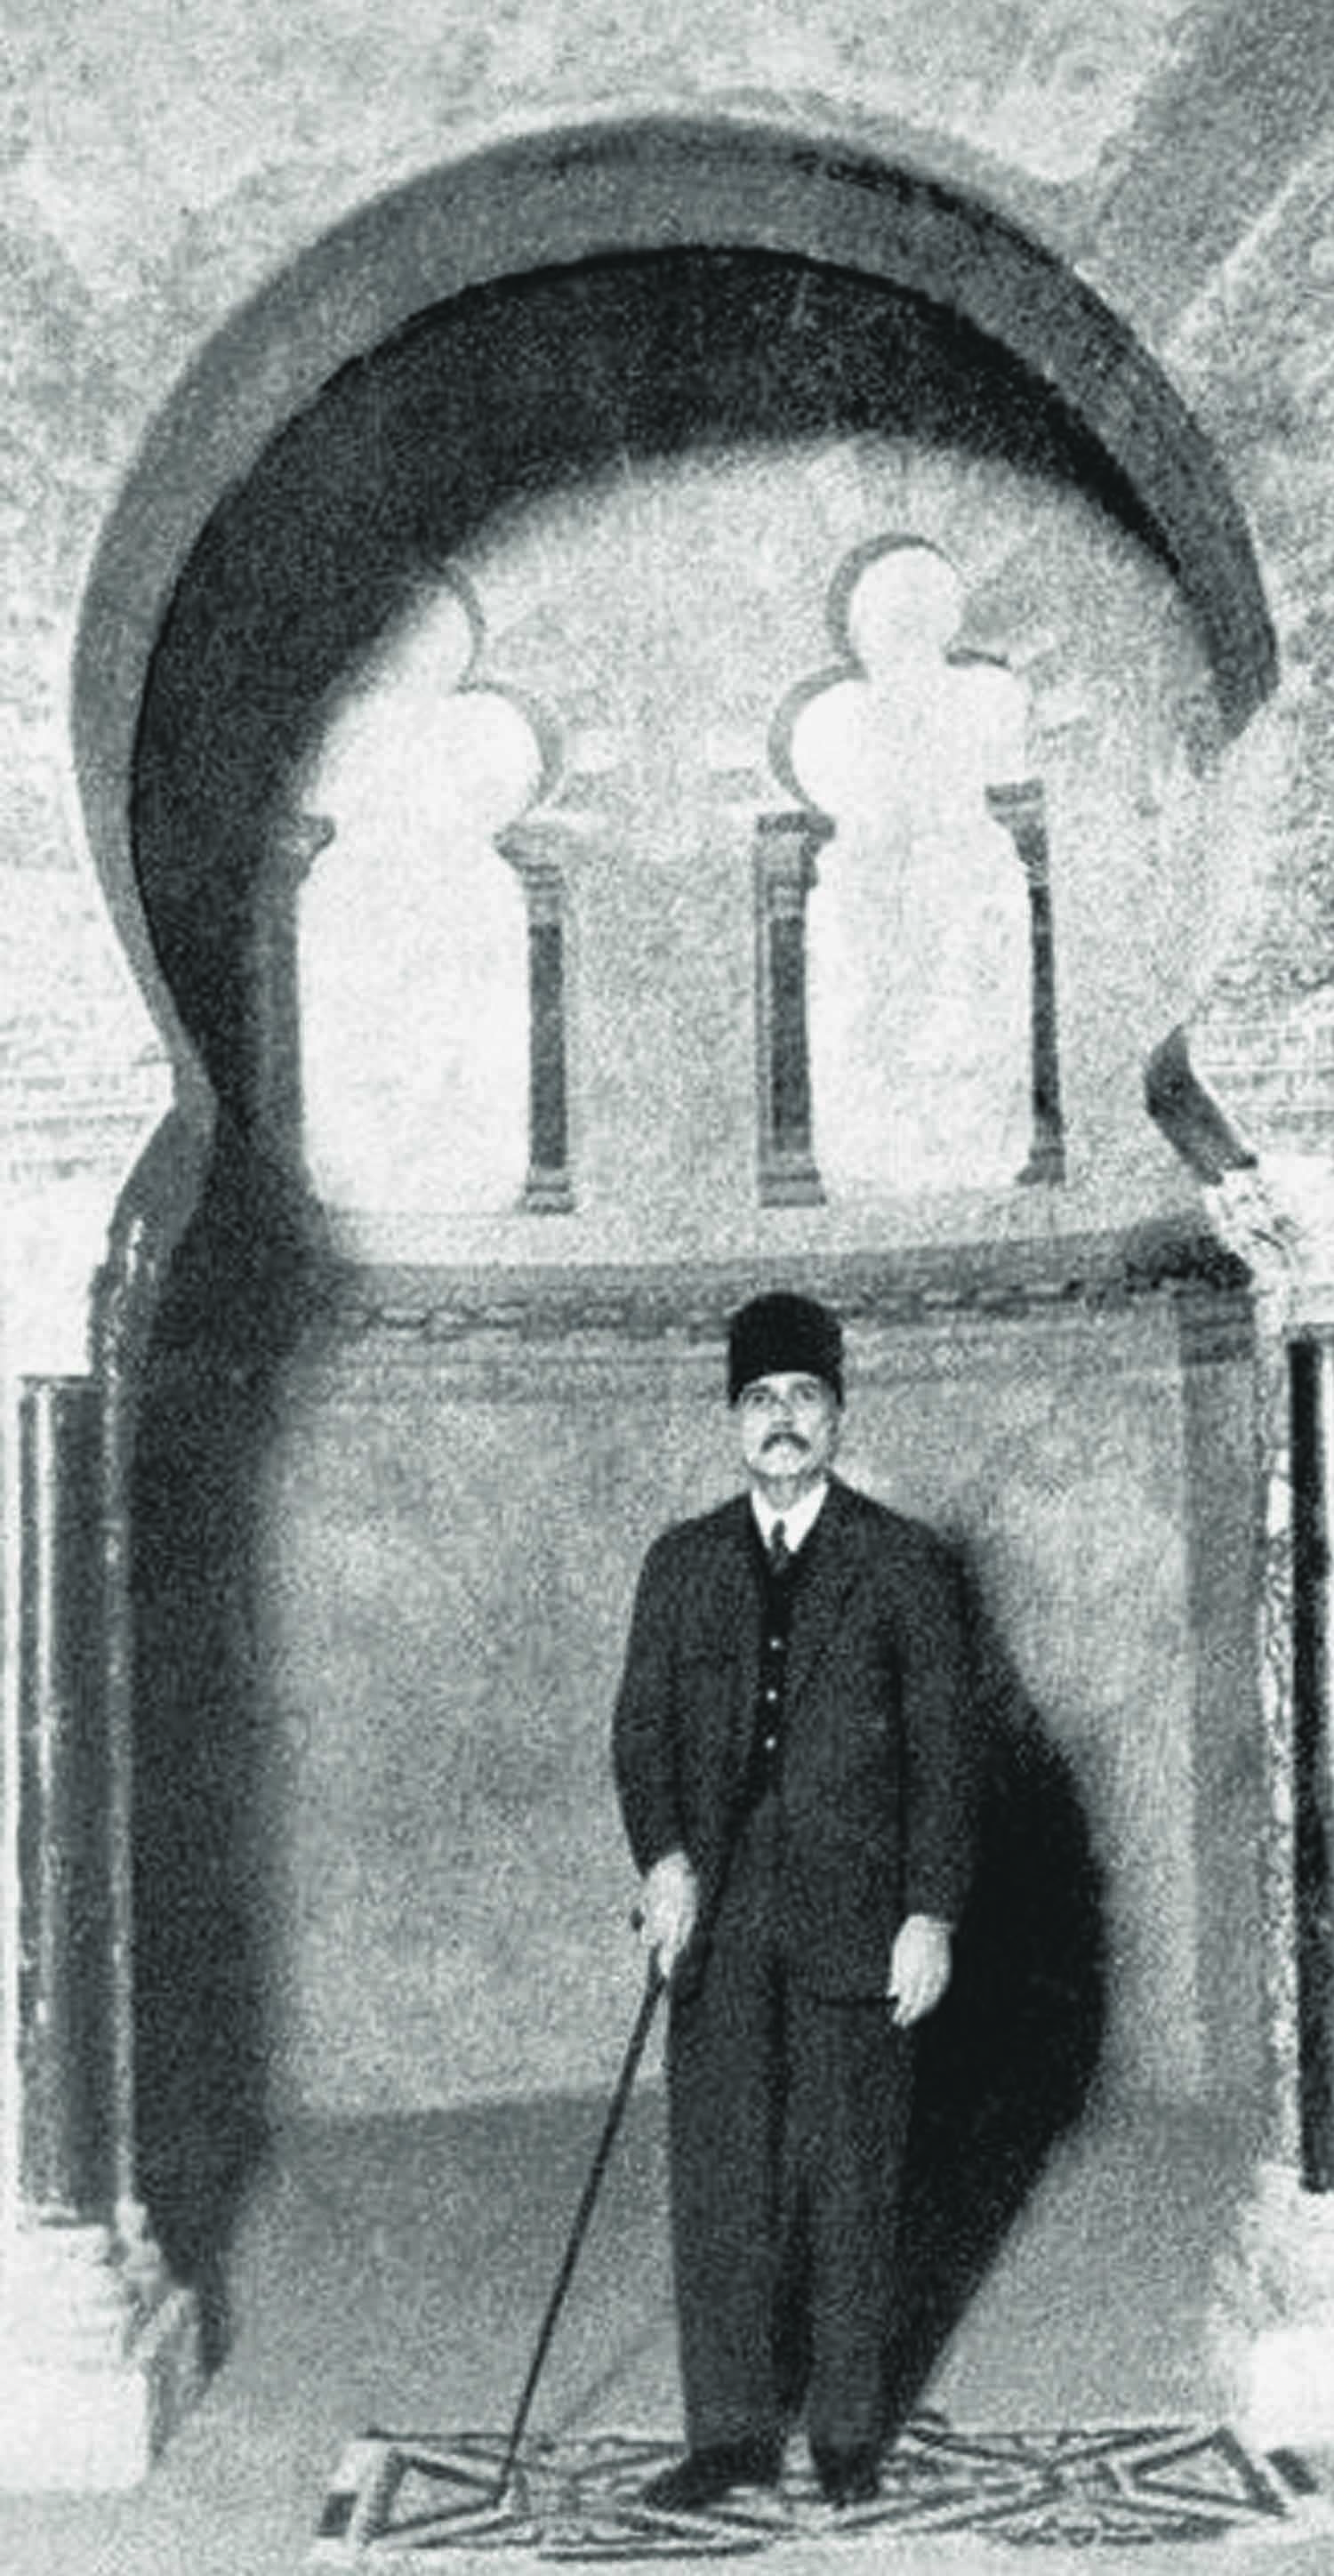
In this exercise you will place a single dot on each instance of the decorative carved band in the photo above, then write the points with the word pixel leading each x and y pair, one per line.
pixel 691 1302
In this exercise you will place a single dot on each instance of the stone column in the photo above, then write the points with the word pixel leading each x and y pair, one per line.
pixel 1311 1458
pixel 98 2347
pixel 66 1841
pixel 1273 2315
pixel 785 873
pixel 538 850
pixel 1021 810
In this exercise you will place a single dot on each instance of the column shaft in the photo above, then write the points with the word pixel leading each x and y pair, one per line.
pixel 1311 1381
pixel 537 849
pixel 785 873
pixel 548 1184
pixel 66 2035
pixel 1021 810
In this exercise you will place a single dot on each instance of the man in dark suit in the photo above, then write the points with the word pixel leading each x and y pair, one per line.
pixel 795 1764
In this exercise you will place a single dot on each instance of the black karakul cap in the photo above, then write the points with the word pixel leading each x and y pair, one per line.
pixel 780 1335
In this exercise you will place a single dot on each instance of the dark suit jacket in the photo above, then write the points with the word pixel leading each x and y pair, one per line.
pixel 879 1758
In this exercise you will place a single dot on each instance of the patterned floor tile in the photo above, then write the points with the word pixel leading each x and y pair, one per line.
pixel 396 2495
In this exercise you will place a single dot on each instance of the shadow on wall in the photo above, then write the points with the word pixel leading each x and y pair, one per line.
pixel 246 1284
pixel 1006 2064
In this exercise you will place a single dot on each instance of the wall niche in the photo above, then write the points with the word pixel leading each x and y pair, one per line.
pixel 541 965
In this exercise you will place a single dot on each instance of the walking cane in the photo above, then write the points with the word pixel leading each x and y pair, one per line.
pixel 634 2051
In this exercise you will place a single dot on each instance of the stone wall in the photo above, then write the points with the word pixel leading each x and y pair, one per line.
pixel 451 1532
pixel 164 172
pixel 657 624
pixel 205 209
pixel 162 169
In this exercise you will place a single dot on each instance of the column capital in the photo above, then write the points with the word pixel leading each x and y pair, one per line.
pixel 546 844
pixel 786 845
pixel 295 843
pixel 1020 807
pixel 1260 1221
pixel 543 881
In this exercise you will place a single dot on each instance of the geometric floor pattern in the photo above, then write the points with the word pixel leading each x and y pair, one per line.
pixel 570 2498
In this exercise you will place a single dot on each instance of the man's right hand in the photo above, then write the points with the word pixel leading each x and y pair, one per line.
pixel 669 1903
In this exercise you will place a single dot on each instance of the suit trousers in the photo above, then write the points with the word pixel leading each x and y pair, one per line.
pixel 788 2113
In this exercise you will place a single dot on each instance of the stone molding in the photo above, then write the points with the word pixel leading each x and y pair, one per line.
pixel 1090 1273
pixel 90 2417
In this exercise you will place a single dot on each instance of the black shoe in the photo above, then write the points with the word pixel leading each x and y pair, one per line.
pixel 703 2477
pixel 848 2477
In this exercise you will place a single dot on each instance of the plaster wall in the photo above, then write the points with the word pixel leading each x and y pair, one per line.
pixel 657 621
pixel 449 1545
pixel 160 167
pixel 163 164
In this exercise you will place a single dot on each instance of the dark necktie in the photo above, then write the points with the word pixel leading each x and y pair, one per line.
pixel 780 1554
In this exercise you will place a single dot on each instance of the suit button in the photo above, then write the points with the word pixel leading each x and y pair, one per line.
pixel 776 1645
pixel 770 1743
pixel 771 1695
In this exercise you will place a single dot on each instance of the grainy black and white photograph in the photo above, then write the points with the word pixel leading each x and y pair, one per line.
pixel 667 1287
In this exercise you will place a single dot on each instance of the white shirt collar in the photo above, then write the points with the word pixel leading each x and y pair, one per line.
pixel 798 1520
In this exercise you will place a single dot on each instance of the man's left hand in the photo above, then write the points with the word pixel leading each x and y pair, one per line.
pixel 919 1968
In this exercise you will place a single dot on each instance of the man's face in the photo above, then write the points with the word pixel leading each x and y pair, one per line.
pixel 789 1427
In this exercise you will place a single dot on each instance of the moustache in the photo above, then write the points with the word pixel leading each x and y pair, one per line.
pixel 784 1440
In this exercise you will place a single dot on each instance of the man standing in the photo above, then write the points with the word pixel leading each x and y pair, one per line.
pixel 795 1764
